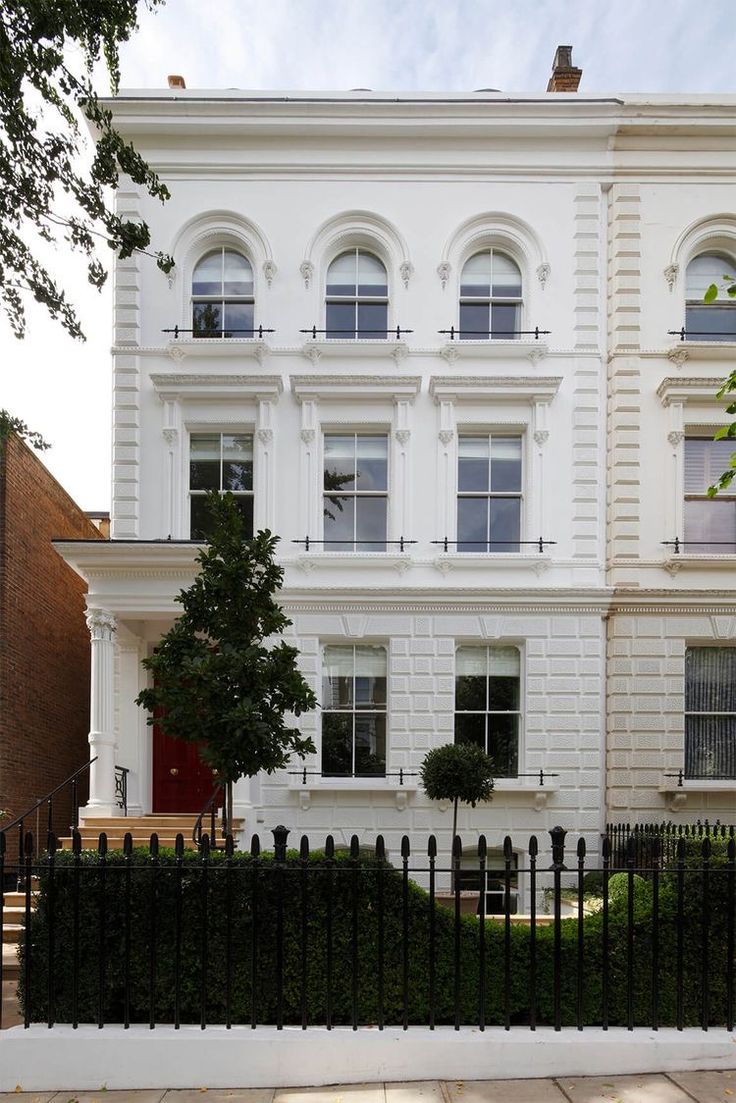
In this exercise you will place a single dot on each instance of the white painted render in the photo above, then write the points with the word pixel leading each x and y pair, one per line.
pixel 601 203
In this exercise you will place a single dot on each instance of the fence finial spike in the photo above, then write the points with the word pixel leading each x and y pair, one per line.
pixel 482 848
pixel 432 846
pixel 380 848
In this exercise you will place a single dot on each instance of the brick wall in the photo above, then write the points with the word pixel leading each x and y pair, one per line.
pixel 44 643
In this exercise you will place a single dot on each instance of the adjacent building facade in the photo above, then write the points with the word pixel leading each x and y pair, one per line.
pixel 433 342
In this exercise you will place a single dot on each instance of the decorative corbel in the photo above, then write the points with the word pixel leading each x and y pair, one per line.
pixel 443 271
pixel 678 356
pixel 306 270
pixel 269 271
pixel 406 271
pixel 544 271
pixel 671 273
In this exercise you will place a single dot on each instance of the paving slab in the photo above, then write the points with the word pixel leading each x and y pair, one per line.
pixel 707 1087
pixel 644 1088
pixel 220 1095
pixel 350 1093
pixel 26 1097
pixel 426 1091
pixel 148 1095
pixel 503 1091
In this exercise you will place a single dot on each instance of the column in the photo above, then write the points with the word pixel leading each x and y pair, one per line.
pixel 102 627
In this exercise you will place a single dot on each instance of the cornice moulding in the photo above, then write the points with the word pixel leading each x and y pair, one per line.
pixel 213 385
pixel 689 390
pixel 325 387
pixel 500 387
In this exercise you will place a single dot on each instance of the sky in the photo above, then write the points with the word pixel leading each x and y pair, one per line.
pixel 62 387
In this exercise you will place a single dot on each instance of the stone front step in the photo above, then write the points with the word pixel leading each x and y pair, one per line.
pixel 141 828
pixel 11 965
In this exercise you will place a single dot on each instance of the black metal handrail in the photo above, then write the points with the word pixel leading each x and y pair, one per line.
pixel 210 811
pixel 677 543
pixel 48 800
pixel 357 333
pixel 460 332
pixel 121 787
pixel 540 544
pixel 683 333
pixel 401 543
pixel 252 331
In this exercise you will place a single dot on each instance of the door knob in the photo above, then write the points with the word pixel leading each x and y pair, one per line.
pixel 173 771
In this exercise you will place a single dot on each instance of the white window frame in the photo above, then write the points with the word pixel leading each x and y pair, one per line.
pixel 522 710
pixel 361 779
pixel 723 303
pixel 701 646
pixel 520 434
pixel 212 432
pixel 357 298
pixel 491 299
pixel 194 300
pixel 363 431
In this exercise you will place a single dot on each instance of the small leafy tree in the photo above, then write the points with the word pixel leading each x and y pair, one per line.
pixel 220 676
pixel 13 425
pixel 458 772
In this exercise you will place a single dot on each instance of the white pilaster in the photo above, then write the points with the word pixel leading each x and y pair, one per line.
pixel 102 627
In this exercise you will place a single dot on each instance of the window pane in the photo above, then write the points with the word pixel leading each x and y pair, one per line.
pixel 476 277
pixel 706 269
pixel 207 320
pixel 337 745
pixel 339 462
pixel 503 744
pixel 710 746
pixel 371 275
pixel 238 274
pixel 704 462
pixel 470 728
pixel 505 524
pixel 204 462
pixel 337 678
pixel 339 514
pixel 711 323
pixel 504 321
pixel 710 526
pixel 370 662
pixel 340 321
pixel 237 465
pixel 472 463
pixel 372 463
pixel 200 523
pixel 372 320
pixel 470 693
pixel 710 679
pixel 370 746
pixel 471 660
pixel 503 694
pixel 342 275
pixel 472 524
pixel 506 463
pixel 370 691
pixel 238 320
pixel 370 524
pixel 506 277
pixel 474 321
pixel 504 661
pixel 244 504
pixel 207 277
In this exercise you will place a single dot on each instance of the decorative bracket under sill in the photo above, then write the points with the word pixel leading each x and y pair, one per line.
pixel 401 793
pixel 676 795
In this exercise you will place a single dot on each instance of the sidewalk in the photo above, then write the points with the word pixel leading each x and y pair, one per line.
pixel 675 1087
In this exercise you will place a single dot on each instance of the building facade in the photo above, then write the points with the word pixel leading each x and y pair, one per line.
pixel 426 340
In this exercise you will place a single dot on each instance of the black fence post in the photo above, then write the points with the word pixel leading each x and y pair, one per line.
pixel 482 885
pixel 631 853
pixel 557 835
pixel 280 835
pixel 27 855
pixel 706 850
pixel 2 902
pixel 354 917
pixel 457 854
pixel 304 910
pixel 380 935
pixel 432 855
pixel 533 851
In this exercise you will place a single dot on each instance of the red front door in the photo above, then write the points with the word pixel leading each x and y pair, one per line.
pixel 181 781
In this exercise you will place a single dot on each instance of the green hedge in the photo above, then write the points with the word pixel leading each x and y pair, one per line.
pixel 361 878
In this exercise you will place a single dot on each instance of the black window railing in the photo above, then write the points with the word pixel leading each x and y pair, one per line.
pixel 219 332
pixel 357 333
pixel 121 788
pixel 309 542
pixel 708 334
pixel 678 545
pixel 457 332
pixel 694 775
pixel 539 544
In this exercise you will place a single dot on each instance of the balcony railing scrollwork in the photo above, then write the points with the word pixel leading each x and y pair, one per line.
pixel 251 331
pixel 540 544
pixel 401 543
pixel 456 332
pixel 678 545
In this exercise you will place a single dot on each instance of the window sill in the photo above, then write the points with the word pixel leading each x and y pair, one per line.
pixel 534 351
pixel 702 350
pixel 687 562
pixel 352 785
pixel 527 787
pixel 216 347
pixel 388 560
pixel 677 794
pixel 356 348
pixel 448 561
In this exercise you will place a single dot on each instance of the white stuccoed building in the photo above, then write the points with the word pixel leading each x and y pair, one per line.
pixel 426 339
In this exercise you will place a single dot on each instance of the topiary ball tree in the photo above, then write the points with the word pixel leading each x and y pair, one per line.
pixel 458 772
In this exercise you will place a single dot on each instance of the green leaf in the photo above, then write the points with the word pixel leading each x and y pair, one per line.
pixel 711 294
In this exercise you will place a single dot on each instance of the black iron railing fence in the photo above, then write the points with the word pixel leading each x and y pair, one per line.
pixel 329 937
pixel 656 844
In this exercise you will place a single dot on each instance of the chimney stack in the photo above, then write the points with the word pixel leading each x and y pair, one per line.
pixel 565 77
pixel 176 81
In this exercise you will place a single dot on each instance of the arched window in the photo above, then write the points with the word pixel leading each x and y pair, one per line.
pixel 490 297
pixel 222 295
pixel 717 320
pixel 357 297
